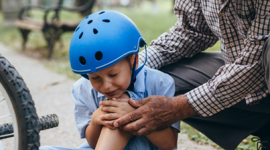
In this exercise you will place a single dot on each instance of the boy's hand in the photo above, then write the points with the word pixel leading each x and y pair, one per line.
pixel 114 110
pixel 97 119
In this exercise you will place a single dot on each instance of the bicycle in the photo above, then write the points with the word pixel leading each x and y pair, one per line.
pixel 26 125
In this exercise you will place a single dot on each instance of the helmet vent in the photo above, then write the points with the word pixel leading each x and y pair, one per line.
pixel 90 21
pixel 81 35
pixel 102 12
pixel 77 29
pixel 82 60
pixel 95 31
pixel 98 55
pixel 106 20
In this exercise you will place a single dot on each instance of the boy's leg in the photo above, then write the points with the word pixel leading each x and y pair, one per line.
pixel 112 139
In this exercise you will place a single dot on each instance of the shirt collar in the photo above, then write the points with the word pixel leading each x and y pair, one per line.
pixel 100 95
pixel 139 85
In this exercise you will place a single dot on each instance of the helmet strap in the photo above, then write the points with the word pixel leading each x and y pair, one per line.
pixel 136 72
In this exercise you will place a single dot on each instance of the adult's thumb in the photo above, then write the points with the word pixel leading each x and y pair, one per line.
pixel 138 103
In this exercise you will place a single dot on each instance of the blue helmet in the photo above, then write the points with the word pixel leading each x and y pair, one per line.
pixel 101 40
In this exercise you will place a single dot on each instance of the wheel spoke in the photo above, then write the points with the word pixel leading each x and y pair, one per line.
pixel 5 116
pixel 6 135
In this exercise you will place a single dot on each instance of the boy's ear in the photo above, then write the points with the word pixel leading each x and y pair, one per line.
pixel 133 60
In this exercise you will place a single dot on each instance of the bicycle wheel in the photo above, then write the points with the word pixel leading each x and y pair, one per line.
pixel 21 107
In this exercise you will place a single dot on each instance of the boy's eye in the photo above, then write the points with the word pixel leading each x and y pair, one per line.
pixel 94 78
pixel 113 75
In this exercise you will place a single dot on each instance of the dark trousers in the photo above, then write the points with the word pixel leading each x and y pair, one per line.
pixel 230 126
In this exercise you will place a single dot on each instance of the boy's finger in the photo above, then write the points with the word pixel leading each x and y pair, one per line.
pixel 109 109
pixel 111 127
pixel 120 99
pixel 109 103
pixel 110 116
pixel 109 123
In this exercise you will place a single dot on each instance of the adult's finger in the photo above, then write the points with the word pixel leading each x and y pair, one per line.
pixel 130 117
pixel 135 126
pixel 138 103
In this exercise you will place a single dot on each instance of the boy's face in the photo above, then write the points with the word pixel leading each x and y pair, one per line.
pixel 112 82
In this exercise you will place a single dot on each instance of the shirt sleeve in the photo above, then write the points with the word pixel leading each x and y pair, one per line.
pixel 167 88
pixel 82 112
pixel 241 79
pixel 189 36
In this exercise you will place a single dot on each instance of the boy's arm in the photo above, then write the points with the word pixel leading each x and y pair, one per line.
pixel 93 130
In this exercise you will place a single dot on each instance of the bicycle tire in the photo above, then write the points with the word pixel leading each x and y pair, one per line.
pixel 21 106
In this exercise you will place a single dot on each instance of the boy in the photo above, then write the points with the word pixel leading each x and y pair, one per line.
pixel 104 50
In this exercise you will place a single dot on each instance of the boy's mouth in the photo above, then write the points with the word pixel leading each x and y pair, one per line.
pixel 111 93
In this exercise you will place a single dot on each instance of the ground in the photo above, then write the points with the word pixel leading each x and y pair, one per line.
pixel 51 93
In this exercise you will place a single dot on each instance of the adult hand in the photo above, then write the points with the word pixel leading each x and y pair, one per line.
pixel 154 113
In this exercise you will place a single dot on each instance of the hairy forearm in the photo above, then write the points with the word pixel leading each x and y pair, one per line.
pixel 92 133
pixel 157 138
pixel 182 108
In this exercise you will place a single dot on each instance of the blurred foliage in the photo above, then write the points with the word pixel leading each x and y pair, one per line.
pixel 151 22
pixel 201 139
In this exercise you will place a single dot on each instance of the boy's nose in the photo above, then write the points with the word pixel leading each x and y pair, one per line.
pixel 107 85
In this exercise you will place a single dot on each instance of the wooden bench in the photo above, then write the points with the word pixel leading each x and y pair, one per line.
pixel 51 29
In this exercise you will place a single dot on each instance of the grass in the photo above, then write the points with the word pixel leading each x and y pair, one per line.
pixel 150 23
pixel 201 139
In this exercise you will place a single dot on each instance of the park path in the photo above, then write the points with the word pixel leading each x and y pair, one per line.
pixel 51 93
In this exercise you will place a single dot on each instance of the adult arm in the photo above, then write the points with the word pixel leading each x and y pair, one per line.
pixel 243 78
pixel 189 36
